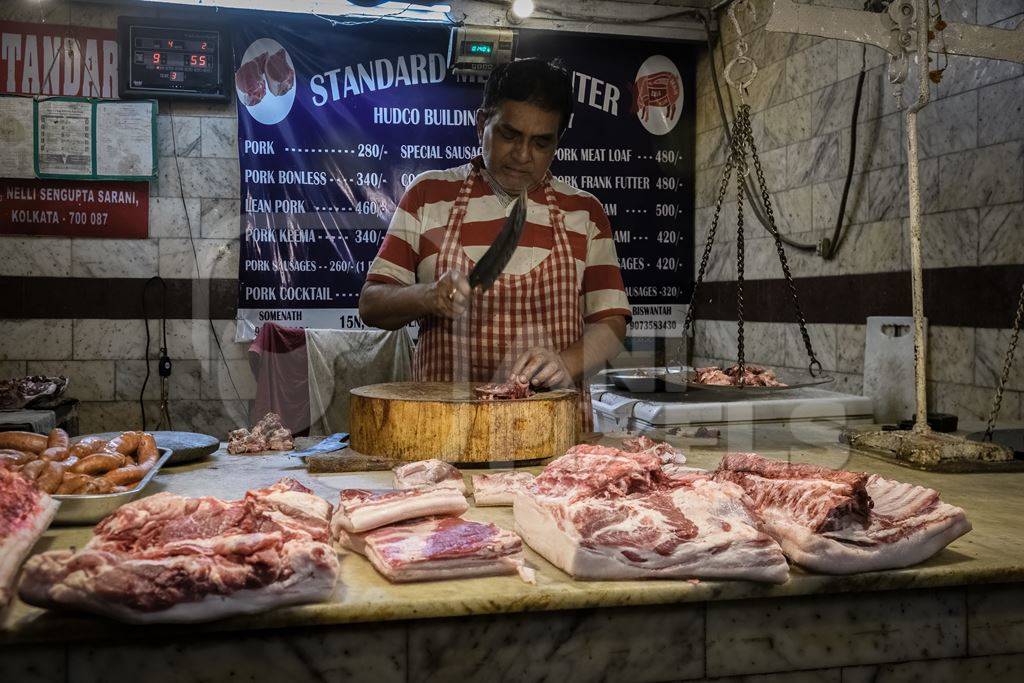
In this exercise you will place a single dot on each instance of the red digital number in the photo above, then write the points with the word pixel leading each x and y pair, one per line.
pixel 170 43
pixel 174 75
pixel 192 60
pixel 202 45
pixel 202 60
pixel 156 57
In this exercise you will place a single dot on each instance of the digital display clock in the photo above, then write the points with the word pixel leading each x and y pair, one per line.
pixel 175 59
pixel 481 48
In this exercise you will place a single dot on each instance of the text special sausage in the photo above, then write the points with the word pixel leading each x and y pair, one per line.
pixel 57 438
pixel 23 441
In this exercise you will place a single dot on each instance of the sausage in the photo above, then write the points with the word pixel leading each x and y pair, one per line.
pixel 32 470
pixel 147 449
pixel 54 453
pixel 17 457
pixel 95 485
pixel 71 483
pixel 128 475
pixel 126 444
pixel 98 463
pixel 88 446
pixel 57 438
pixel 51 476
pixel 23 441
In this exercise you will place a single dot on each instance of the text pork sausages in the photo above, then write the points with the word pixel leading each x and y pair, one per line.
pixel 98 463
pixel 23 441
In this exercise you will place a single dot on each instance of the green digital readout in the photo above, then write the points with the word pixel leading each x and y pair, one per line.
pixel 481 48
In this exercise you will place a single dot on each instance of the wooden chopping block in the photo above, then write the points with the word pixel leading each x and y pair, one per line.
pixel 445 420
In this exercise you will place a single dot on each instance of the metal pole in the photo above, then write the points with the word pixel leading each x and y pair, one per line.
pixel 913 181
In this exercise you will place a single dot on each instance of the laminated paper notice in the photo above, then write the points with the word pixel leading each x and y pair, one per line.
pixel 124 139
pixel 16 137
pixel 65 137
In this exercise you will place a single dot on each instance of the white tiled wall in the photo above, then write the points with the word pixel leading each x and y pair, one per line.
pixel 972 174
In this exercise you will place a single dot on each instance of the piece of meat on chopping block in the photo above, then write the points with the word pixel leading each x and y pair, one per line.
pixel 451 422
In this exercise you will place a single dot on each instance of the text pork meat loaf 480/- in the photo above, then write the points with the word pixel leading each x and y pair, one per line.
pixel 168 558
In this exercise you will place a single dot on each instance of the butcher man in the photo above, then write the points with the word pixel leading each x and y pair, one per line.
pixel 558 311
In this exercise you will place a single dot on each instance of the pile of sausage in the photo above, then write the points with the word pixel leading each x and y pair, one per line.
pixel 93 465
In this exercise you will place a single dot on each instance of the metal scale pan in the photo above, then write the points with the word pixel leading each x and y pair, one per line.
pixel 792 380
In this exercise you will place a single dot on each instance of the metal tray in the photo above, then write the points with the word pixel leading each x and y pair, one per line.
pixel 91 508
pixel 792 380
pixel 650 380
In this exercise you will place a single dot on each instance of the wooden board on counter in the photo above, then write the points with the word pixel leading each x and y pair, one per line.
pixel 445 420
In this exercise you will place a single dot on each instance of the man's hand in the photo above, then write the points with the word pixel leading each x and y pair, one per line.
pixel 449 296
pixel 541 367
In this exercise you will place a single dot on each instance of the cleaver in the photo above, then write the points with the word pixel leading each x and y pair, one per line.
pixel 497 256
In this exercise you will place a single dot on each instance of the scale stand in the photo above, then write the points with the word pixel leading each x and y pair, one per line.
pixel 903 29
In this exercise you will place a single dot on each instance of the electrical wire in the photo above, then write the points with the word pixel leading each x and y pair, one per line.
pixel 195 253
pixel 163 327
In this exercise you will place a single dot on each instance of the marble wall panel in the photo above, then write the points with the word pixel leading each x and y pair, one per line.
pixel 994 619
pixel 950 239
pixel 226 381
pixel 35 256
pixel 850 341
pixel 167 217
pixel 359 653
pixel 807 70
pixel 981 177
pixel 220 218
pixel 993 11
pixel 90 380
pixel 652 644
pixel 842 630
pixel 948 125
pixel 1001 112
pixel 185 380
pixel 219 137
pixel 113 258
pixel 951 354
pixel 218 258
pixel 109 339
pixel 12 368
pixel 990 349
pixel 42 339
pixel 1001 234
pixel 210 178
pixel 1000 669
pixel 186 140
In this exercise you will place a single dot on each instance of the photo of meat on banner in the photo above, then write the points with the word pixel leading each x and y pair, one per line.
pixel 265 81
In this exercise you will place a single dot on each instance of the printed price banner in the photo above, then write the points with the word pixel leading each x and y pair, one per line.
pixel 335 123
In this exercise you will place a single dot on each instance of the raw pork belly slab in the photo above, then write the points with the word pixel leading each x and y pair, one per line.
pixel 601 513
pixel 440 548
pixel 360 510
pixel 498 488
pixel 24 515
pixel 168 558
pixel 432 472
pixel 900 524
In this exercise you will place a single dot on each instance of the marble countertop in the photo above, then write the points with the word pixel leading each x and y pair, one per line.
pixel 992 553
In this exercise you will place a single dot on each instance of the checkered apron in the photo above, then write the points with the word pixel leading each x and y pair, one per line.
pixel 538 308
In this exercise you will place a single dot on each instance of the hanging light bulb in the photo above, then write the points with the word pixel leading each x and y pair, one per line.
pixel 519 11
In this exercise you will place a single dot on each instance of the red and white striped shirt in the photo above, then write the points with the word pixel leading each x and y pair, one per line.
pixel 409 252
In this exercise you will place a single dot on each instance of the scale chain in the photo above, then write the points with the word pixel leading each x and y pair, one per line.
pixel 814 365
pixel 742 170
pixel 997 400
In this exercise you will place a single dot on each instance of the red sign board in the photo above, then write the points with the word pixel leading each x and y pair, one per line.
pixel 74 208
pixel 55 59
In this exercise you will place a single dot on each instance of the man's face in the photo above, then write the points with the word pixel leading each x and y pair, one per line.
pixel 519 141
